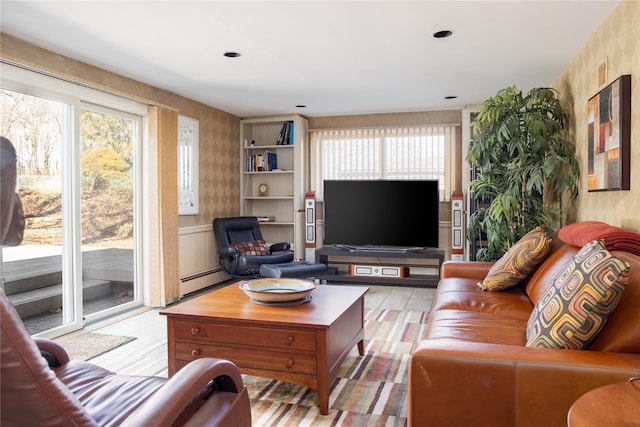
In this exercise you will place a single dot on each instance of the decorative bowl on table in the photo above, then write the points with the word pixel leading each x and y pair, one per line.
pixel 279 290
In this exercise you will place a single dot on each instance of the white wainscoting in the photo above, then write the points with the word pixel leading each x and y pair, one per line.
pixel 199 265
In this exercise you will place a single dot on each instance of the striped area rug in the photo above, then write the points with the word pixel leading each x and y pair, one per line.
pixel 370 390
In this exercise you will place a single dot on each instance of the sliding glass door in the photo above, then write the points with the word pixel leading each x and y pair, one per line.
pixel 77 180
pixel 33 273
pixel 107 194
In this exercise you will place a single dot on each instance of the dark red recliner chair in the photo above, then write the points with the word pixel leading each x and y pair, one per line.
pixel 57 391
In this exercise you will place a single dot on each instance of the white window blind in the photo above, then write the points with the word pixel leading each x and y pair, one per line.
pixel 384 153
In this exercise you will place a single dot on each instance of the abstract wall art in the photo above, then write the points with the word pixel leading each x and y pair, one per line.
pixel 609 137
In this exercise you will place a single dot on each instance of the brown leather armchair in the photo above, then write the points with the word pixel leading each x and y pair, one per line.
pixel 55 391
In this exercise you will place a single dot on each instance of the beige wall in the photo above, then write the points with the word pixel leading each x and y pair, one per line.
pixel 616 41
pixel 390 119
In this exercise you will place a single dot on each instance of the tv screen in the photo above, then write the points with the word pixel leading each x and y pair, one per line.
pixel 381 213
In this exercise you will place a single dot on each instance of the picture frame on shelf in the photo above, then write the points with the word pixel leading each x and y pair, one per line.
pixel 609 137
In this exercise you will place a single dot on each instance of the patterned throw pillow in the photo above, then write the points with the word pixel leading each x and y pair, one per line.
pixel 572 311
pixel 259 247
pixel 520 260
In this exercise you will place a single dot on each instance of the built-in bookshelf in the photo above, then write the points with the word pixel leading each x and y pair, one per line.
pixel 273 176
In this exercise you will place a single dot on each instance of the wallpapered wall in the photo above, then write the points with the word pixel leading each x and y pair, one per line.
pixel 616 41
pixel 219 156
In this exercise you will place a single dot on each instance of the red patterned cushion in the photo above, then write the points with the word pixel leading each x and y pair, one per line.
pixel 259 247
pixel 572 311
pixel 520 260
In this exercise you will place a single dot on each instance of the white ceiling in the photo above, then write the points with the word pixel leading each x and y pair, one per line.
pixel 334 57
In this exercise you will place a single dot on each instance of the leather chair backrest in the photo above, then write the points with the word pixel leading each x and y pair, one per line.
pixel 11 214
pixel 237 230
pixel 31 395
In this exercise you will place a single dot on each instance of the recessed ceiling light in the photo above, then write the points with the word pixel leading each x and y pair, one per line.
pixel 450 97
pixel 231 54
pixel 442 34
pixel 301 106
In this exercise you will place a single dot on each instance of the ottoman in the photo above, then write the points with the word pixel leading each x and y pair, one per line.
pixel 305 269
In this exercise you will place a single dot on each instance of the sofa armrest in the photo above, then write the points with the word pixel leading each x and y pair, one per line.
pixel 279 247
pixel 465 383
pixel 53 352
pixel 186 394
pixel 465 269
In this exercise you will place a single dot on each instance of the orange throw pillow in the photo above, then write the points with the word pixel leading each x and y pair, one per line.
pixel 519 261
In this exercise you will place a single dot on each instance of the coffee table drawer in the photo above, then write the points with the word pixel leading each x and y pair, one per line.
pixel 245 335
pixel 251 358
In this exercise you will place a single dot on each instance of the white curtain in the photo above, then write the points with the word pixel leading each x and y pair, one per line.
pixel 424 152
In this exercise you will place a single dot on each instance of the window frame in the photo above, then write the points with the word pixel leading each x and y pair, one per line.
pixel 78 96
pixel 384 134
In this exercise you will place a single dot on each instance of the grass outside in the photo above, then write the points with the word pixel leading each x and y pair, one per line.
pixel 107 217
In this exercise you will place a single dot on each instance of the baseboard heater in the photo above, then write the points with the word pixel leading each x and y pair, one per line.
pixel 198 281
pixel 199 275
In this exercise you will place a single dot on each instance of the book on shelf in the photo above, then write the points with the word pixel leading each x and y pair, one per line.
pixel 280 139
pixel 272 160
pixel 262 162
pixel 285 137
pixel 266 218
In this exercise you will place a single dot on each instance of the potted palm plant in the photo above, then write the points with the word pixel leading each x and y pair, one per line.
pixel 524 161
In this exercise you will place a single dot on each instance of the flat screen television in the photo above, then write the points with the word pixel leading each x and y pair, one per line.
pixel 390 214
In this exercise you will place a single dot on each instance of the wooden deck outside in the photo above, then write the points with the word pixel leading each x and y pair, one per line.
pixel 103 264
pixel 34 286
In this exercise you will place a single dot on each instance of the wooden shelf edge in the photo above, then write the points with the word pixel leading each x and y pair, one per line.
pixel 274 172
pixel 261 147
pixel 417 280
pixel 269 198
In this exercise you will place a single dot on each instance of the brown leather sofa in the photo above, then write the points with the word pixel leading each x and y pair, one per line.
pixel 62 392
pixel 473 367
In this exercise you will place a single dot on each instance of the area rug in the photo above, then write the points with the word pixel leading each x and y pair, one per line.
pixel 86 346
pixel 370 390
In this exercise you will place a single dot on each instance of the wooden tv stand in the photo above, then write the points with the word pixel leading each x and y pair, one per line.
pixel 409 259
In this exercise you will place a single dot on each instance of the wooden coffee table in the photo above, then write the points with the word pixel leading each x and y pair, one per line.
pixel 302 344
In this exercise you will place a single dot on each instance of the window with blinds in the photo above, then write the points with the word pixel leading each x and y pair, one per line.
pixel 384 153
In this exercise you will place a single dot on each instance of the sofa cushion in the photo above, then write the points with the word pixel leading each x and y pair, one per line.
pixel 542 278
pixel 475 326
pixel 576 307
pixel 464 294
pixel 258 247
pixel 621 333
pixel 520 260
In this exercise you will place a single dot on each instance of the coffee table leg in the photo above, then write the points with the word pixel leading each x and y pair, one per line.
pixel 323 400
pixel 361 347
pixel 323 394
